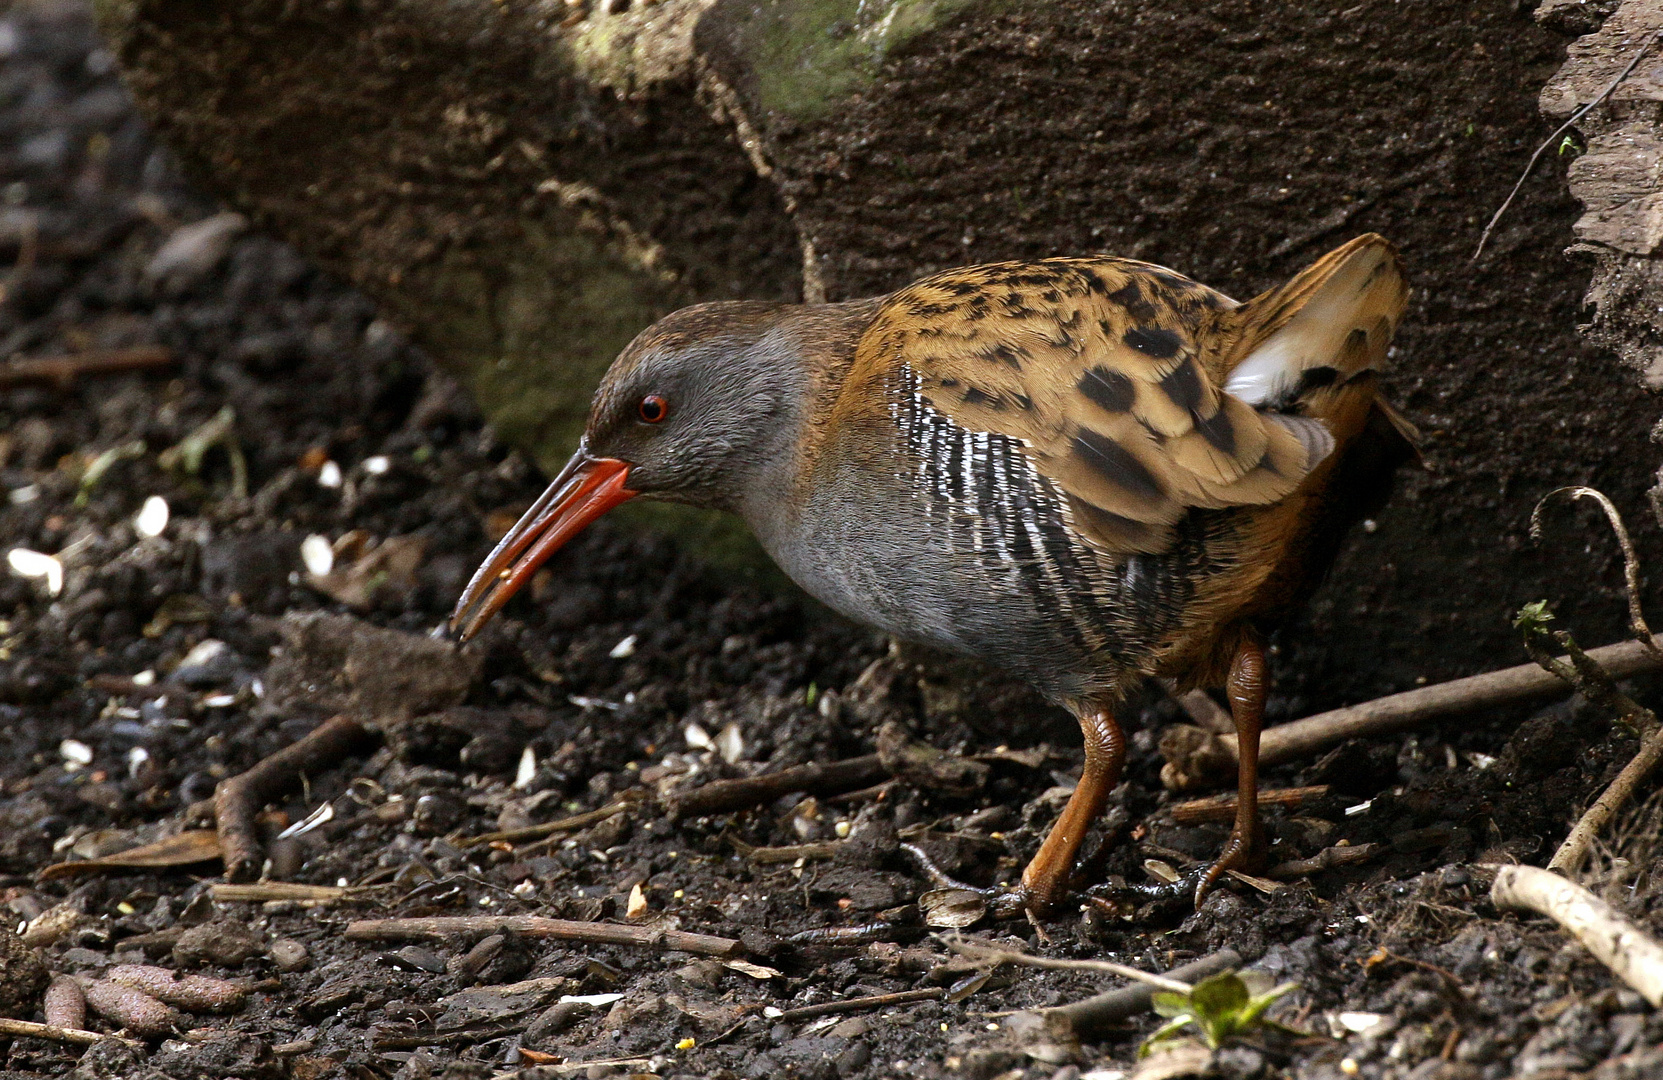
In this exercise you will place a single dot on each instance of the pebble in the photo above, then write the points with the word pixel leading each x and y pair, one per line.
pixel 225 943
pixel 289 955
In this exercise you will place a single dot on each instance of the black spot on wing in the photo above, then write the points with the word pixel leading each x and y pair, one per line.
pixel 1220 431
pixel 1116 464
pixel 1116 527
pixel 1130 297
pixel 1153 341
pixel 1107 389
pixel 1003 354
pixel 1183 385
pixel 1314 379
pixel 975 396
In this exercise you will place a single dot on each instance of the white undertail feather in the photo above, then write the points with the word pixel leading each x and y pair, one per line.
pixel 1338 313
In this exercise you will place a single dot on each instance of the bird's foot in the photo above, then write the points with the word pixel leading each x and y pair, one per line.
pixel 1240 853
pixel 1003 901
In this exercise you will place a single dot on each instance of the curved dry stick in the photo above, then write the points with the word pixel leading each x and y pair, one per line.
pixel 1631 954
pixel 1631 562
pixel 239 800
pixel 1566 126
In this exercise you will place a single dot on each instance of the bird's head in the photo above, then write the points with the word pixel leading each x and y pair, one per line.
pixel 694 407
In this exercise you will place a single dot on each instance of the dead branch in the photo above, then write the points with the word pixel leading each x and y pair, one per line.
pixel 63 371
pixel 1196 757
pixel 723 796
pixel 74 1036
pixel 438 928
pixel 1223 807
pixel 1082 1019
pixel 1631 954
pixel 1566 126
pixel 238 800
pixel 860 1004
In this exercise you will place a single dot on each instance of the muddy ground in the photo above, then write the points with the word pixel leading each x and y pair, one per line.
pixel 165 663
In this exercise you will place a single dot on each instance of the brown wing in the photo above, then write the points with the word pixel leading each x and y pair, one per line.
pixel 1093 365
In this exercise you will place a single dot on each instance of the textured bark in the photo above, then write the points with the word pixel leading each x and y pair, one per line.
pixel 527 183
pixel 1619 178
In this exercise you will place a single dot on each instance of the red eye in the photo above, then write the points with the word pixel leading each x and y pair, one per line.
pixel 653 408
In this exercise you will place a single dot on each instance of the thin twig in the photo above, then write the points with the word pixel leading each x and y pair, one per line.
pixel 860 1004
pixel 725 795
pixel 1205 757
pixel 1223 807
pixel 546 828
pixel 438 928
pixel 62 371
pixel 74 1036
pixel 1326 859
pixel 1083 1019
pixel 1631 562
pixel 1631 954
pixel 1574 851
pixel 997 957
pixel 1199 706
pixel 1566 126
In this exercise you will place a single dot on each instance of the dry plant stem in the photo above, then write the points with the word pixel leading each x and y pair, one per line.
pixel 74 1036
pixel 723 796
pixel 1589 678
pixel 1326 859
pixel 1520 685
pixel 1573 852
pixel 1645 46
pixel 876 1001
pixel 62 371
pixel 1084 1018
pixel 1631 561
pixel 996 957
pixel 238 801
pixel 533 926
pixel 1223 807
pixel 1615 941
pixel 546 828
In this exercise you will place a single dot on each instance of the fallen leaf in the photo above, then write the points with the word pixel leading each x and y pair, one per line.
pixel 198 845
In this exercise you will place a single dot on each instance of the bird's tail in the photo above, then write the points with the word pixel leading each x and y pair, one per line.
pixel 1295 348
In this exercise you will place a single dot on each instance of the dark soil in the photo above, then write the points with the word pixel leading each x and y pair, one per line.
pixel 122 716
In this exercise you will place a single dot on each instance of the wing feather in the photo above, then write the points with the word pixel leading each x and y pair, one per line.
pixel 1097 366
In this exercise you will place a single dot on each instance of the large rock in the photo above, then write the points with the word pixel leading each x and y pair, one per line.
pixel 528 182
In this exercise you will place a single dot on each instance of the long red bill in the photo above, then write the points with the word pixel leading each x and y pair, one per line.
pixel 585 489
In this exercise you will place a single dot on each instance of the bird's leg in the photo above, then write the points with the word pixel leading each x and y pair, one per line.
pixel 1246 689
pixel 1045 881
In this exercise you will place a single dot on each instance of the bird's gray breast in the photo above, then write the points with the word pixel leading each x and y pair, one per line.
pixel 957 542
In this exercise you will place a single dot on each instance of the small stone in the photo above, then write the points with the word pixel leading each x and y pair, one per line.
pixel 225 943
pixel 289 955
pixel 853 1059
